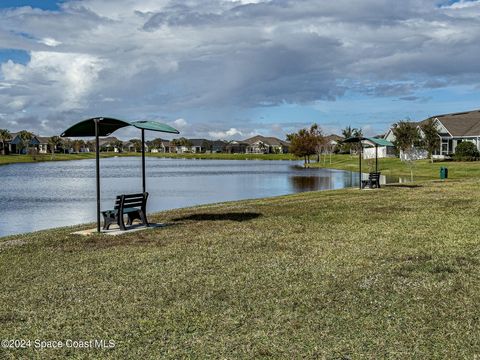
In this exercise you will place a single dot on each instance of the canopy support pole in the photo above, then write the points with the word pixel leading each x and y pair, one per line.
pixel 360 165
pixel 143 161
pixel 97 157
pixel 376 158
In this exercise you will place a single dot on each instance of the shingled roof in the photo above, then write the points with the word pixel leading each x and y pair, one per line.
pixel 268 140
pixel 462 123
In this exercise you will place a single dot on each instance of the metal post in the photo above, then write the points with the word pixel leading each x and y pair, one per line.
pixel 360 164
pixel 376 158
pixel 97 156
pixel 143 160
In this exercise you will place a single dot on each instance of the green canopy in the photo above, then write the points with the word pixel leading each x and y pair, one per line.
pixel 154 126
pixel 104 126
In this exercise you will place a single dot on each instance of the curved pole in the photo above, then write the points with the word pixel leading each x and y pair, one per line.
pixel 143 161
pixel 97 157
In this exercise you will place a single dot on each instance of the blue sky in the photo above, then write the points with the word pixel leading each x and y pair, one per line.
pixel 234 68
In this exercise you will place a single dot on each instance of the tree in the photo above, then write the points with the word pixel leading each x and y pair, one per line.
pixel 117 144
pixel 406 137
pixel 4 137
pixel 25 138
pixel 431 139
pixel 349 132
pixel 305 142
pixel 466 151
pixel 137 144
pixel 77 145
pixel 207 145
pixel 53 142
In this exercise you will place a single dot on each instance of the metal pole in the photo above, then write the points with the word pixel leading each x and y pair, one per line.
pixel 360 165
pixel 143 160
pixel 376 158
pixel 97 156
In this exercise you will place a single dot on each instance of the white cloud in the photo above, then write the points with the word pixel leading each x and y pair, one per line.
pixel 180 123
pixel 231 133
pixel 50 42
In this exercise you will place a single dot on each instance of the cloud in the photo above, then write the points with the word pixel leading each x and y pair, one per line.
pixel 50 42
pixel 213 61
pixel 230 133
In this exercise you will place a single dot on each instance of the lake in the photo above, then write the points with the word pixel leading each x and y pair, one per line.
pixel 52 194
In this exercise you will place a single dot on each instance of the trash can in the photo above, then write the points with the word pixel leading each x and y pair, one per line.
pixel 443 173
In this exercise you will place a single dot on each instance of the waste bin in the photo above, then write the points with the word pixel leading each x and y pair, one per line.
pixel 443 173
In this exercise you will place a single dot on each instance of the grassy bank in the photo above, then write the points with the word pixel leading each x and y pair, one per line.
pixel 13 159
pixel 422 169
pixel 392 273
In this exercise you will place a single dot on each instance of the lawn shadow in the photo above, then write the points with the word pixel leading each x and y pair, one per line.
pixel 404 185
pixel 220 217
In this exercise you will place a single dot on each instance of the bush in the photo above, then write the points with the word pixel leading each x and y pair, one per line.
pixel 466 151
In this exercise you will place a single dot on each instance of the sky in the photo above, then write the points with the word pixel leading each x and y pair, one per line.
pixel 230 69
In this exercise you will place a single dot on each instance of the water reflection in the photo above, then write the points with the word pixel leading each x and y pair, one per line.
pixel 45 195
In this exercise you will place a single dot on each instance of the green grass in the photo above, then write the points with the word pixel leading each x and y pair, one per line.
pixel 13 159
pixel 422 169
pixel 392 273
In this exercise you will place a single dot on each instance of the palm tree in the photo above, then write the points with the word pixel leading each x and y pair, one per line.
pixel 4 136
pixel 25 138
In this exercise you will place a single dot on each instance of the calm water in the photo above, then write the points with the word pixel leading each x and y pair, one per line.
pixel 52 194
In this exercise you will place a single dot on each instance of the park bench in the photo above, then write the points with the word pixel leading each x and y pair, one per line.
pixel 132 205
pixel 373 181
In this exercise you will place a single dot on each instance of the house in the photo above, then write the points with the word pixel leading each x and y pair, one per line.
pixel 236 147
pixel 452 129
pixel 17 146
pixel 218 146
pixel 266 145
pixel 331 141
pixel 160 146
pixel 199 145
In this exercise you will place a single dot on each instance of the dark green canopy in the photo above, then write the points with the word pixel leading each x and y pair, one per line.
pixel 85 128
pixel 104 126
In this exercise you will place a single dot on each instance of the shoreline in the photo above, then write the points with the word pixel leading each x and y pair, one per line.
pixel 19 159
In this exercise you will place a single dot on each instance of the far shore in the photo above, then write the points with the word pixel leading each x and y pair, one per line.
pixel 422 169
pixel 14 159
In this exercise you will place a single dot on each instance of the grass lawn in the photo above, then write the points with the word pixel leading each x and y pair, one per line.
pixel 422 169
pixel 12 159
pixel 392 273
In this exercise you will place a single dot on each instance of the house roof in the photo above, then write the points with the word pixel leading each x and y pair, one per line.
pixel 461 124
pixel 198 142
pixel 268 140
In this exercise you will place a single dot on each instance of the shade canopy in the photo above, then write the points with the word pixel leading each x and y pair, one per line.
pixel 104 126
pixel 84 128
pixel 107 126
pixel 154 126
pixel 370 140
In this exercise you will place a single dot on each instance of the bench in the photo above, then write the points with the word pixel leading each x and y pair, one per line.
pixel 132 205
pixel 373 181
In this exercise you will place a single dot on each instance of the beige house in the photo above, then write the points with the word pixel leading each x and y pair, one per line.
pixel 266 145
